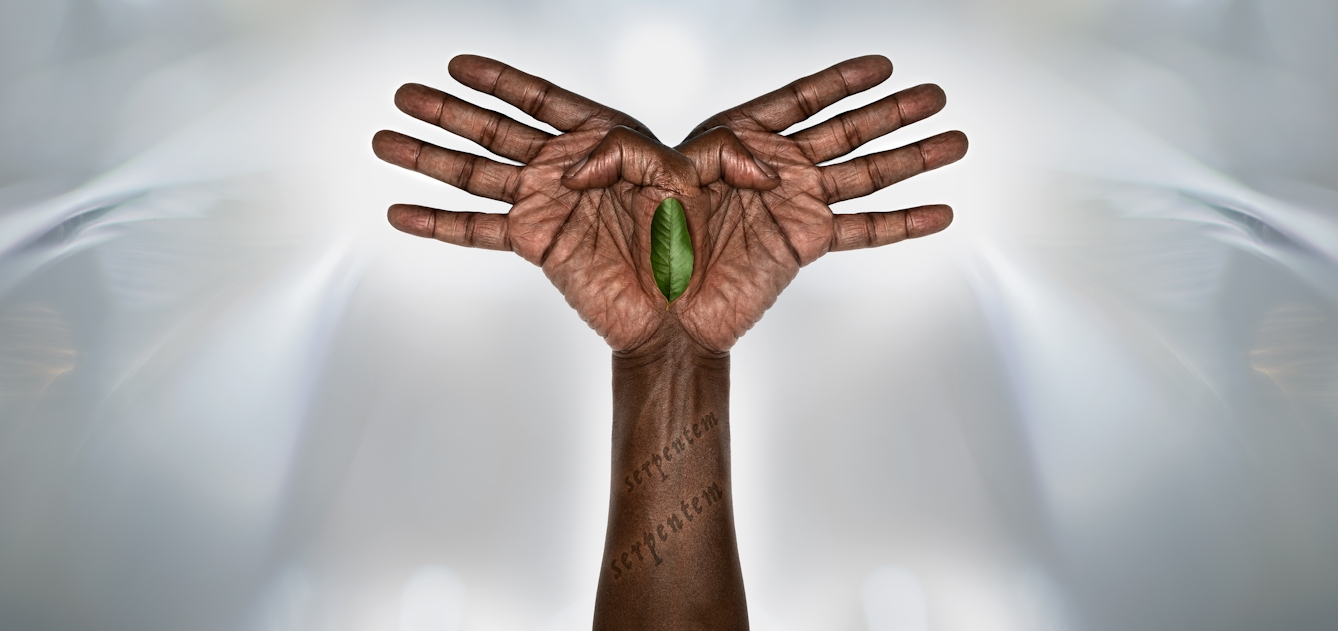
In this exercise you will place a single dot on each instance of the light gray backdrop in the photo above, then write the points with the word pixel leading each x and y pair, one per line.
pixel 233 399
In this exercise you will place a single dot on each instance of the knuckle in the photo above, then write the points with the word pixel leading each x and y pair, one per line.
pixel 875 173
pixel 465 175
pixel 899 110
pixel 471 223
pixel 440 102
pixel 428 224
pixel 851 133
pixel 488 136
pixel 831 189
pixel 721 133
pixel 803 100
pixel 532 150
pixel 511 190
pixel 535 103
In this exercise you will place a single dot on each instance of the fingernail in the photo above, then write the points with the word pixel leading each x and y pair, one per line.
pixel 571 171
pixel 766 168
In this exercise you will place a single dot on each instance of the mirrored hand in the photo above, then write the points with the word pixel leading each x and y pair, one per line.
pixel 800 207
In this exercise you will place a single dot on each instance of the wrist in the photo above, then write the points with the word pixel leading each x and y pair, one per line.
pixel 669 345
pixel 667 380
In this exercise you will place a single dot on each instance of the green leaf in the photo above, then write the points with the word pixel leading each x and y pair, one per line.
pixel 670 249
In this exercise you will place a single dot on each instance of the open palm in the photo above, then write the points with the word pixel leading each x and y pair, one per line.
pixel 760 238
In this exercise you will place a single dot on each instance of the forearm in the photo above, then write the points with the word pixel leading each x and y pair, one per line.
pixel 670 558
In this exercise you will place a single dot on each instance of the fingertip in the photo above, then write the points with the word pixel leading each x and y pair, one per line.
pixel 418 100
pixel 933 88
pixel 473 70
pixel 927 220
pixel 404 94
pixel 881 64
pixel 458 63
pixel 381 142
pixel 396 148
pixel 865 72
pixel 920 102
pixel 414 220
pixel 943 149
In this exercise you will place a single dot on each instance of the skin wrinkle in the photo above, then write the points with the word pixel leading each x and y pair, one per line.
pixel 830 188
pixel 770 217
pixel 596 228
pixel 431 221
pixel 488 137
pixel 471 221
pixel 441 110
pixel 622 245
pixel 901 113
pixel 851 135
pixel 875 172
pixel 507 188
pixel 511 188
pixel 418 152
pixel 561 227
pixel 539 99
pixel 924 160
pixel 586 120
pixel 496 80
pixel 870 231
pixel 626 226
pixel 465 173
pixel 506 235
pixel 804 106
pixel 845 87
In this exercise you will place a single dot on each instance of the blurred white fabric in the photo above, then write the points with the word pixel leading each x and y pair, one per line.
pixel 232 398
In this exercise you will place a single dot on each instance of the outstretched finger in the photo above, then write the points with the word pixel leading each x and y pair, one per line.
pixel 472 230
pixel 537 97
pixel 720 155
pixel 846 132
pixel 797 101
pixel 624 154
pixel 475 174
pixel 493 131
pixel 866 174
pixel 870 230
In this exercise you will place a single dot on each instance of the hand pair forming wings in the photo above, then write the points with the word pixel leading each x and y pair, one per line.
pixel 756 201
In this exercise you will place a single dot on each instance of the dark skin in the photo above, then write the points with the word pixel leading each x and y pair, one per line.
pixel 757 205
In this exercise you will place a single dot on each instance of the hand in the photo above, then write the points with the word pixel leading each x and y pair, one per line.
pixel 768 234
pixel 581 201
pixel 758 236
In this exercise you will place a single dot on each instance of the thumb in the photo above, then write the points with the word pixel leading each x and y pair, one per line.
pixel 719 155
pixel 628 156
